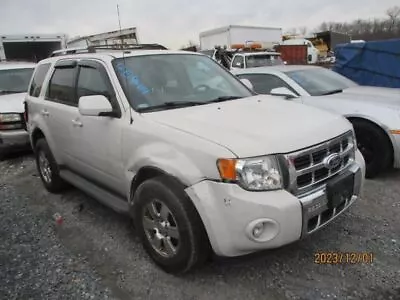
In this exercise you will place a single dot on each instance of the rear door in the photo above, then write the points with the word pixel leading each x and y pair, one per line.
pixel 61 107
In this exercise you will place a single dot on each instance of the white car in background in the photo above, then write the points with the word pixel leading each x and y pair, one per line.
pixel 14 81
pixel 374 111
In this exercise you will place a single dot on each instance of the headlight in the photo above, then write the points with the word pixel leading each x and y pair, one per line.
pixel 255 174
pixel 9 118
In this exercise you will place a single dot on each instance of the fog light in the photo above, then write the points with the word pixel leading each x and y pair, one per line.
pixel 262 230
pixel 258 230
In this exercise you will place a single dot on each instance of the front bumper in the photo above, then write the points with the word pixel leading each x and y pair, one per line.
pixel 229 213
pixel 13 140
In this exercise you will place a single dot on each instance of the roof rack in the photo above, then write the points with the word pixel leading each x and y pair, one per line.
pixel 95 49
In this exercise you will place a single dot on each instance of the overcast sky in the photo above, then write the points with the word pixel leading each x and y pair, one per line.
pixel 175 22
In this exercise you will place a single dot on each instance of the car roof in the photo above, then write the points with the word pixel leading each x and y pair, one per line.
pixel 9 65
pixel 110 55
pixel 276 69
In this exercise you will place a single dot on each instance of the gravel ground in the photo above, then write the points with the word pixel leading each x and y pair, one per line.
pixel 95 254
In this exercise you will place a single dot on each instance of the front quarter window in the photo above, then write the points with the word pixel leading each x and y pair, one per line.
pixel 156 80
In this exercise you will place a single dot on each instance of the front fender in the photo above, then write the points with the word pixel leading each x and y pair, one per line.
pixel 188 169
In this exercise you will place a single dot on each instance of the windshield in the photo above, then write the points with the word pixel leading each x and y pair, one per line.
pixel 15 80
pixel 320 81
pixel 154 80
pixel 254 61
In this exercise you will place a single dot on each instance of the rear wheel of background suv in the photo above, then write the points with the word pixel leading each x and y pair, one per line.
pixel 169 226
pixel 47 167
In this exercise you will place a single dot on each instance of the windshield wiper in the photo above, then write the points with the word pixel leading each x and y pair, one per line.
pixel 224 98
pixel 332 92
pixel 170 104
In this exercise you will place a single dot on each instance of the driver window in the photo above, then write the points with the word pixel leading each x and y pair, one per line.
pixel 92 82
pixel 238 62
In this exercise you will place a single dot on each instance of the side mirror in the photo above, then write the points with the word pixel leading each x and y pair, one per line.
pixel 283 91
pixel 96 105
pixel 247 83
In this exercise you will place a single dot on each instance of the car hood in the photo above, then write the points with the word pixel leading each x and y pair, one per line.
pixel 12 103
pixel 256 125
pixel 371 93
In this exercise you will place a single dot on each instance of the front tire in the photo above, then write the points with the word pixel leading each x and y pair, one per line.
pixel 47 167
pixel 169 226
pixel 375 147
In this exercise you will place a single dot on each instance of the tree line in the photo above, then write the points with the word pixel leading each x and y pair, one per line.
pixel 363 29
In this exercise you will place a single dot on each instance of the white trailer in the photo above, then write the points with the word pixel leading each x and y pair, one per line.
pixel 242 35
pixel 29 47
pixel 123 36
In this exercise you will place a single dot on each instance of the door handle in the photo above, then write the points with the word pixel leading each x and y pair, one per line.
pixel 45 113
pixel 77 123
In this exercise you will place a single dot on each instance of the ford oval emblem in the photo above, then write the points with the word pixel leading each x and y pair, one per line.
pixel 332 161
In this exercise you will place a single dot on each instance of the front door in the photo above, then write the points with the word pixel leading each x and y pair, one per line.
pixel 97 148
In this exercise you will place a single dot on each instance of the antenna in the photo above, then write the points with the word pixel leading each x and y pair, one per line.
pixel 123 58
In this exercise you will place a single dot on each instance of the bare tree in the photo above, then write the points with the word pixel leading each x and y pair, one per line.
pixel 302 30
pixel 394 15
pixel 291 31
pixel 369 29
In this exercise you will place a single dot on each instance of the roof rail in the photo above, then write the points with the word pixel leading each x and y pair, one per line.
pixel 95 49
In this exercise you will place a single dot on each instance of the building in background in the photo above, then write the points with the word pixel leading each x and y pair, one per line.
pixel 117 37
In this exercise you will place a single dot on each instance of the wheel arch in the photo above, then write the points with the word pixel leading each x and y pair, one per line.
pixel 384 129
pixel 37 134
pixel 148 172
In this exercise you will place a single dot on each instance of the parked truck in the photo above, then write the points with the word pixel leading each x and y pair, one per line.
pixel 237 36
pixel 298 51
pixel 29 47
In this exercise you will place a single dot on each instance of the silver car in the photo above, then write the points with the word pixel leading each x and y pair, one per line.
pixel 373 111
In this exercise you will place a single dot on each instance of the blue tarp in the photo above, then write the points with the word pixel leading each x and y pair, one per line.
pixel 371 63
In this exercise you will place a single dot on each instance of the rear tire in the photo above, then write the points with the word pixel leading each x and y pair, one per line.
pixel 375 147
pixel 48 168
pixel 182 243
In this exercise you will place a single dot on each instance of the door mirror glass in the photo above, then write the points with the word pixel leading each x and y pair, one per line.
pixel 283 91
pixel 247 83
pixel 95 105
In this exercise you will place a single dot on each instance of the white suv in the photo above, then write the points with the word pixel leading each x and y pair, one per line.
pixel 14 81
pixel 198 160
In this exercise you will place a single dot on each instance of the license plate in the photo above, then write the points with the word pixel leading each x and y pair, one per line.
pixel 340 189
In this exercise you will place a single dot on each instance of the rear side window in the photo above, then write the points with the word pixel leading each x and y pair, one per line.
pixel 38 79
pixel 62 86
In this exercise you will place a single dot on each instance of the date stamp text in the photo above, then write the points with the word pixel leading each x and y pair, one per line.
pixel 335 258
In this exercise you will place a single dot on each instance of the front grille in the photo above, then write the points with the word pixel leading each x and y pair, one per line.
pixel 308 167
pixel 323 217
